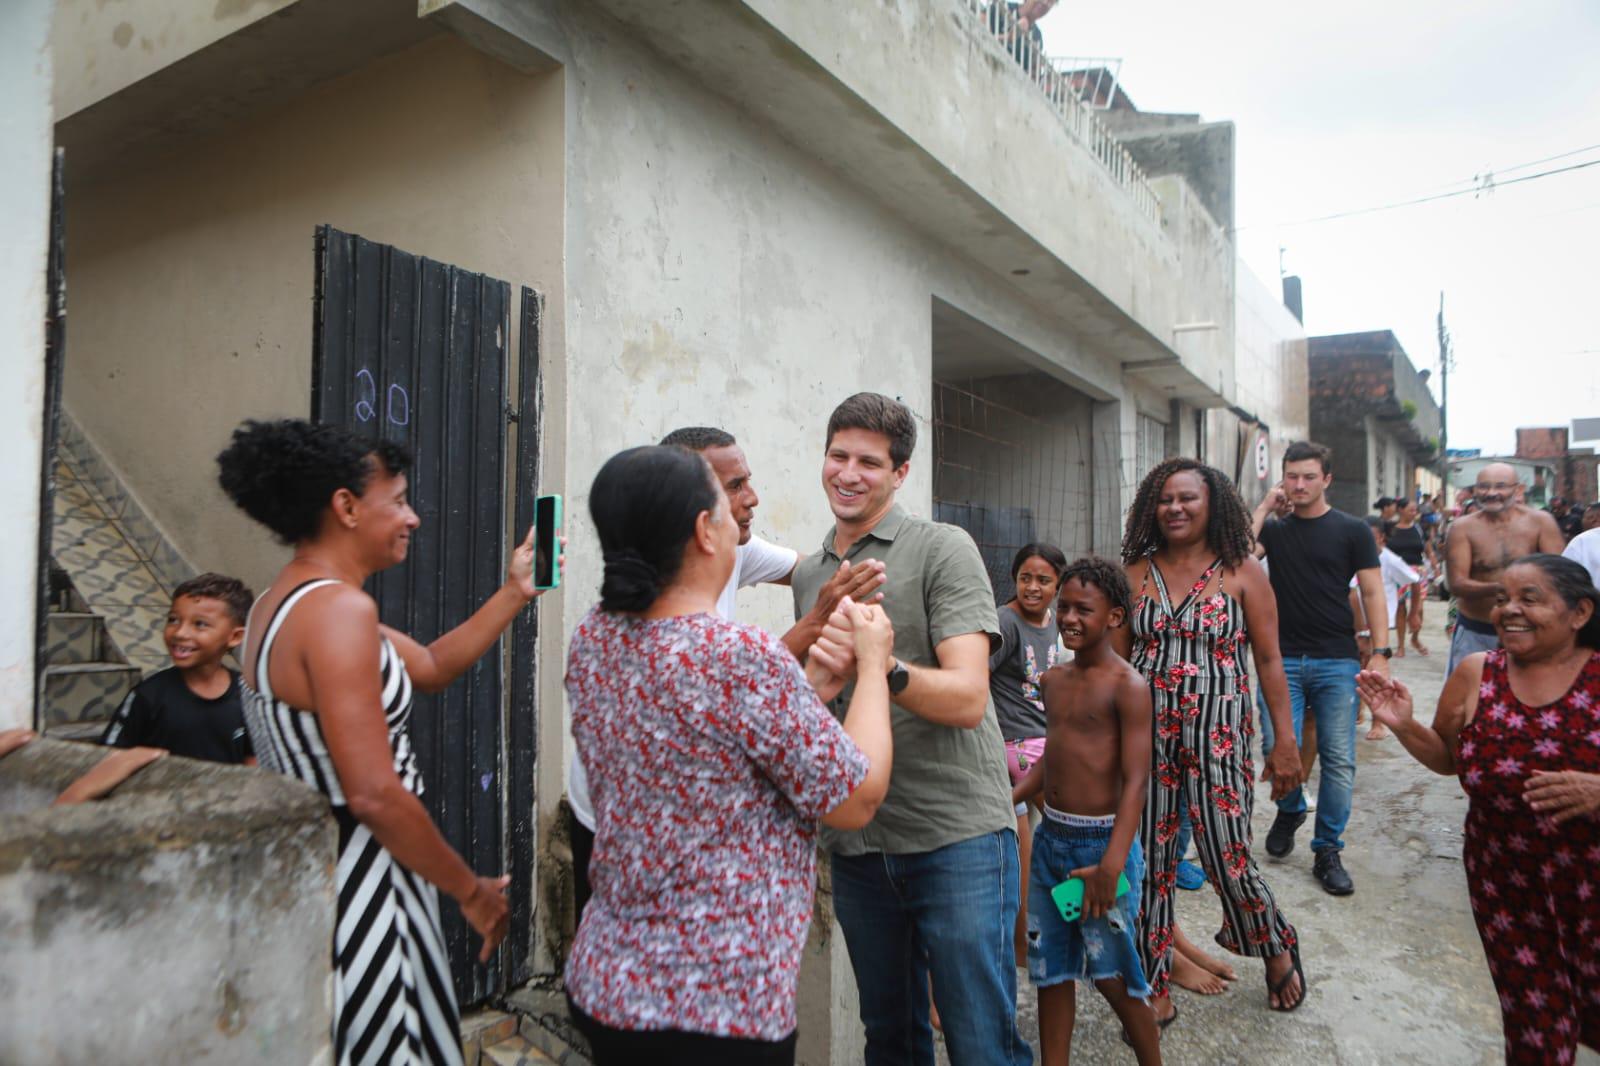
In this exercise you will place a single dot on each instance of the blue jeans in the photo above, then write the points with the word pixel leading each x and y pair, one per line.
pixel 1090 949
pixel 1328 687
pixel 951 913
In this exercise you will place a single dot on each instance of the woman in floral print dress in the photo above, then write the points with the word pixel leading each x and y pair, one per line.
pixel 711 757
pixel 1520 727
pixel 1188 529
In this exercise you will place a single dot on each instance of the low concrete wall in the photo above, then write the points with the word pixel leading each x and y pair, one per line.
pixel 187 918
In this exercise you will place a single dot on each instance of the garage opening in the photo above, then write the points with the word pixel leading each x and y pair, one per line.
pixel 1012 447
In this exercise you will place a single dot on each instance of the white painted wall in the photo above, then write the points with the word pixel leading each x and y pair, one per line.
pixel 1270 376
pixel 25 133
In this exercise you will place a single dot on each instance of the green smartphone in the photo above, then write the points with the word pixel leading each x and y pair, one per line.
pixel 1068 896
pixel 546 542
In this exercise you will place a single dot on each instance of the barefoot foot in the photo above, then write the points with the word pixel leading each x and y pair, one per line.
pixel 1183 946
pixel 1378 732
pixel 1188 974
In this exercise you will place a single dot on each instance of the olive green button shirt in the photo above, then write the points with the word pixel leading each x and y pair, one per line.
pixel 948 784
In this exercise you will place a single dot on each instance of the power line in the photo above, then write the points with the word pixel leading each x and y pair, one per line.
pixel 1477 180
pixel 1546 159
pixel 1430 199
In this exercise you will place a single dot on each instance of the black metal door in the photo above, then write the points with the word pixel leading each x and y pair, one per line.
pixel 55 332
pixel 413 350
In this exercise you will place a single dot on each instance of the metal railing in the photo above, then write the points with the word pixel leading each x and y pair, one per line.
pixel 1065 95
pixel 1097 78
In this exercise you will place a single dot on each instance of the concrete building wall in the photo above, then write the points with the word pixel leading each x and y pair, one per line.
pixel 902 96
pixel 25 81
pixel 194 269
pixel 1203 152
pixel 114 46
pixel 187 918
pixel 1270 385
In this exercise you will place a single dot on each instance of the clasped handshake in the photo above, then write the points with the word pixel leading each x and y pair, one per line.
pixel 856 640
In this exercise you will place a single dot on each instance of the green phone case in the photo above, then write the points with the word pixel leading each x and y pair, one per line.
pixel 555 563
pixel 1068 896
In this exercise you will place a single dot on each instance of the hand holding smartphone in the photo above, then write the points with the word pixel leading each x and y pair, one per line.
pixel 546 542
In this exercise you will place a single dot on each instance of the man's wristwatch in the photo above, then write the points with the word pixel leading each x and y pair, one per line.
pixel 899 678
pixel 1387 653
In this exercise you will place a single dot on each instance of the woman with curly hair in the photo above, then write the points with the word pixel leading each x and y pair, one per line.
pixel 1189 530
pixel 327 699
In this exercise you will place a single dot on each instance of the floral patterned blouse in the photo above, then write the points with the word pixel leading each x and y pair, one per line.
pixel 710 759
pixel 1199 646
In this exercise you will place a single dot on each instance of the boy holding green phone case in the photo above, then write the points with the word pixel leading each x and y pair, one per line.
pixel 1083 892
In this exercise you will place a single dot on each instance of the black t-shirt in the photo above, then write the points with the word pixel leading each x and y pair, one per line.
pixel 163 712
pixel 1311 562
pixel 1408 544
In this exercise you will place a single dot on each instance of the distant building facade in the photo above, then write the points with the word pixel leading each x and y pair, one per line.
pixel 1371 406
pixel 1575 468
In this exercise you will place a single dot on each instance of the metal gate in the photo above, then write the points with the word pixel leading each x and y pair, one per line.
pixel 412 350
pixel 1012 464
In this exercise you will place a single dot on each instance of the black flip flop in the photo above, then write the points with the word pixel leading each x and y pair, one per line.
pixel 1283 982
pixel 1161 1025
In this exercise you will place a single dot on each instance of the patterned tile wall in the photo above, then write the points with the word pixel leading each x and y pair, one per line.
pixel 117 558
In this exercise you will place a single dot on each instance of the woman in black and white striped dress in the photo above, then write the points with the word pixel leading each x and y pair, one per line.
pixel 328 699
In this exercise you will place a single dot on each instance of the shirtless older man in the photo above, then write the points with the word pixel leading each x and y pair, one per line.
pixel 1479 548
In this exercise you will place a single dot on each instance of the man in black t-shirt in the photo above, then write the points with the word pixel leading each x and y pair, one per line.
pixel 193 707
pixel 1312 553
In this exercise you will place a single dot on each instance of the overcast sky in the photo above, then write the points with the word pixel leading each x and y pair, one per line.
pixel 1362 103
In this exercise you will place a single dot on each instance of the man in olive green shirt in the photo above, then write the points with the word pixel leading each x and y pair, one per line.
pixel 931 886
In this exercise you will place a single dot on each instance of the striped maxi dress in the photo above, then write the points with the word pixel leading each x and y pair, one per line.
pixel 1193 655
pixel 392 998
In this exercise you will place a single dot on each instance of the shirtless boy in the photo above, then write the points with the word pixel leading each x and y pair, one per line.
pixel 1094 775
pixel 1478 549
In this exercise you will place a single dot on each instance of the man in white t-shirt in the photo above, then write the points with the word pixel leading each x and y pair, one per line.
pixel 1585 550
pixel 756 562
pixel 1397 574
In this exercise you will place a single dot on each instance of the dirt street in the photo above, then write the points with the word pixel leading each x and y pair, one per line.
pixel 1396 971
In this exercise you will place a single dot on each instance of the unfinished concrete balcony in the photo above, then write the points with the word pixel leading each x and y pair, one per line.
pixel 923 104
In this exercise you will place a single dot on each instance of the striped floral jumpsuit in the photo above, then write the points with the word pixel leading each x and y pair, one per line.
pixel 1194 658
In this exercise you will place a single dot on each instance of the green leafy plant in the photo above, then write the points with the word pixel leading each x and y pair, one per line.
pixel 1408 408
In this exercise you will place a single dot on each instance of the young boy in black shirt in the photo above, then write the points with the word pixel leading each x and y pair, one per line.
pixel 193 707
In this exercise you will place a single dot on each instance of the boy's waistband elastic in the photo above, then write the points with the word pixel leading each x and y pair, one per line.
pixel 1077 825
pixel 1472 625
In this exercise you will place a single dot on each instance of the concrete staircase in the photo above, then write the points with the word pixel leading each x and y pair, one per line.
pixel 86 677
pixel 494 1038
pixel 112 575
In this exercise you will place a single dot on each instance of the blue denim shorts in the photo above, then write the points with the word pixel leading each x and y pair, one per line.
pixel 1089 948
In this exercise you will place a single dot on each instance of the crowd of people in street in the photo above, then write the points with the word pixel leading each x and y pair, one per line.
pixel 995 787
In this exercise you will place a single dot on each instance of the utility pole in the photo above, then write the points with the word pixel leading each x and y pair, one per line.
pixel 1444 399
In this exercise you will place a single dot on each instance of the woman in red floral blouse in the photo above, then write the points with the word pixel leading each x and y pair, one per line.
pixel 711 757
